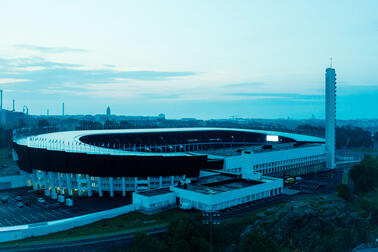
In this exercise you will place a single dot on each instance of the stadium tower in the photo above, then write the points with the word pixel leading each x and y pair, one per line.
pixel 330 83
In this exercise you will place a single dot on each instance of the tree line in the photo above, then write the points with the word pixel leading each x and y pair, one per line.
pixel 347 137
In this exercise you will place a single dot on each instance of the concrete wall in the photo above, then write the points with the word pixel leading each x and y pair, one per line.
pixel 246 161
pixel 212 199
pixel 159 201
pixel 15 181
pixel 24 231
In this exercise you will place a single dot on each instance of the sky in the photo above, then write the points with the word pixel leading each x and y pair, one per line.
pixel 202 59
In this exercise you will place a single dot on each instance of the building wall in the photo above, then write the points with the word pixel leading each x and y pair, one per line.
pixel 298 160
pixel 158 201
pixel 37 229
pixel 8 182
pixel 85 185
pixel 219 201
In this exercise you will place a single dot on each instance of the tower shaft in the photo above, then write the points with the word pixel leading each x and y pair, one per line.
pixel 330 83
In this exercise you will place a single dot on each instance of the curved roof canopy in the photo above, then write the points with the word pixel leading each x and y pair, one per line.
pixel 71 141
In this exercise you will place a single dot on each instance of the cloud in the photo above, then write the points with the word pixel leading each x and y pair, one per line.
pixel 11 80
pixel 46 49
pixel 37 63
pixel 242 85
pixel 160 96
pixel 47 77
pixel 283 96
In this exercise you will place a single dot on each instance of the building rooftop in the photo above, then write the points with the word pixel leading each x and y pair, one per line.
pixel 236 151
pixel 155 192
pixel 219 183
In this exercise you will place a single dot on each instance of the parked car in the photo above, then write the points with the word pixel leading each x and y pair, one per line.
pixel 18 198
pixel 289 180
pixel 20 204
pixel 41 200
pixel 4 198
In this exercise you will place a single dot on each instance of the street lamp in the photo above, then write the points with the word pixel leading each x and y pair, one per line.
pixel 211 217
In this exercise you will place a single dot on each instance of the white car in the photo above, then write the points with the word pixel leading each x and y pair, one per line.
pixel 41 200
pixel 20 204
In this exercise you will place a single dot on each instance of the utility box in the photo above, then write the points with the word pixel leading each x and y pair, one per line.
pixel 61 198
pixel 69 202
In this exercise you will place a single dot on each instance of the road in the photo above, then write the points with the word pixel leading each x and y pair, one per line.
pixel 93 244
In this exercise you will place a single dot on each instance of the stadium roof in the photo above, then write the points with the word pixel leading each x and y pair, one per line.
pixel 69 141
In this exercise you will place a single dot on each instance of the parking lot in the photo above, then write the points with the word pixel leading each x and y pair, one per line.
pixel 321 182
pixel 11 214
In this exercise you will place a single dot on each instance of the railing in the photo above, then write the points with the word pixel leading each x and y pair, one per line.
pixel 76 146
pixel 37 229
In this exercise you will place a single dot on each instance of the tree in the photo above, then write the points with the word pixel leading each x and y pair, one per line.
pixel 5 138
pixel 254 242
pixel 21 123
pixel 353 137
pixel 186 234
pixel 89 125
pixel 111 125
pixel 365 175
pixel 43 123
pixel 343 191
pixel 144 243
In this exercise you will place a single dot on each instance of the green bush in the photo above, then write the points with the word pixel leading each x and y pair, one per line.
pixel 343 191
pixel 254 242
pixel 365 175
pixel 144 243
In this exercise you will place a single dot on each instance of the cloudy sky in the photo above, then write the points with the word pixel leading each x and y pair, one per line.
pixel 204 59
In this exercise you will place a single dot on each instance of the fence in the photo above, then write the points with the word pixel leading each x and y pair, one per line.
pixel 12 233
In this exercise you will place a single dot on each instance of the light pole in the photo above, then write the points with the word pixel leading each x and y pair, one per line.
pixel 211 217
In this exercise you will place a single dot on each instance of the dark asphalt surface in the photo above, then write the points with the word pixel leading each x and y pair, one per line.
pixel 12 215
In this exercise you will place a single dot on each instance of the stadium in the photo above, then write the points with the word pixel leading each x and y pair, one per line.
pixel 87 163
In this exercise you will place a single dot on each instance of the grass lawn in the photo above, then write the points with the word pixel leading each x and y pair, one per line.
pixel 127 223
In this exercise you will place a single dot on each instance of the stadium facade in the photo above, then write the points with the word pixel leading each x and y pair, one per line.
pixel 90 163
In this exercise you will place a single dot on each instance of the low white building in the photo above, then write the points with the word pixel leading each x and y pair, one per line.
pixel 212 192
pixel 293 161
pixel 154 199
pixel 218 192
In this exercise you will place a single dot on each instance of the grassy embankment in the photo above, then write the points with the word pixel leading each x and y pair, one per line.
pixel 127 223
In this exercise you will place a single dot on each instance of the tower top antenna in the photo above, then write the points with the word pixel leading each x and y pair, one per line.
pixel 330 65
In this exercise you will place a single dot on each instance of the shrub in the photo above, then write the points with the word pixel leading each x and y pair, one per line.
pixel 256 242
pixel 343 191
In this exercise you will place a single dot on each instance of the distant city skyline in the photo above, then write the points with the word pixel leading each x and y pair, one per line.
pixel 200 59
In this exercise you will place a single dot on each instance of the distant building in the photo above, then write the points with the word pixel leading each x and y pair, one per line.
pixel 161 116
pixel 108 113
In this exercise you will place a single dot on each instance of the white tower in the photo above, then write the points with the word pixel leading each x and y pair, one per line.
pixel 330 83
